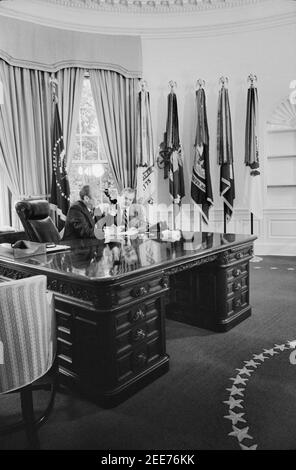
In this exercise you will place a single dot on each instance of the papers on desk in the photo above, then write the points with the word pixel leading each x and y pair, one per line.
pixel 171 235
pixel 52 249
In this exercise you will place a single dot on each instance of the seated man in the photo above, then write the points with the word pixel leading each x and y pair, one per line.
pixel 80 222
pixel 125 213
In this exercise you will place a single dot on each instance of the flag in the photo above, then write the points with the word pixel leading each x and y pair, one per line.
pixel 175 166
pixel 146 183
pixel 253 186
pixel 201 185
pixel 60 188
pixel 225 153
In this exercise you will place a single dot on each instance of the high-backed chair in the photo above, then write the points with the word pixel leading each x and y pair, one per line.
pixel 36 221
pixel 28 348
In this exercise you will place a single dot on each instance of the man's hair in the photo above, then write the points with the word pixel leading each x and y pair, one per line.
pixel 128 191
pixel 84 191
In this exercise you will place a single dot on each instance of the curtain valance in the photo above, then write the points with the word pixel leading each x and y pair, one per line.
pixel 38 47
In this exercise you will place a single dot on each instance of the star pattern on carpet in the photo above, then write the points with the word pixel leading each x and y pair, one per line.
pixel 271 352
pixel 250 366
pixel 259 357
pixel 241 434
pixel 251 363
pixel 238 380
pixel 281 347
pixel 244 370
pixel 233 403
pixel 254 447
pixel 236 391
pixel 235 417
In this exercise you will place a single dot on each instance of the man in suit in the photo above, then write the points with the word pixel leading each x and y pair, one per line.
pixel 80 222
pixel 124 213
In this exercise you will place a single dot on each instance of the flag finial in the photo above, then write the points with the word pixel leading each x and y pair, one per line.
pixel 200 83
pixel 224 81
pixel 252 78
pixel 54 87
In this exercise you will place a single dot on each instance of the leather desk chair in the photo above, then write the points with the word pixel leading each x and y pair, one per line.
pixel 36 221
pixel 28 348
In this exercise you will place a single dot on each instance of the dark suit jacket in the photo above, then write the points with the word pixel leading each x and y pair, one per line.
pixel 79 222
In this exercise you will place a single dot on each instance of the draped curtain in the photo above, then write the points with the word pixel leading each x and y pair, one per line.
pixel 115 101
pixel 4 212
pixel 70 82
pixel 25 120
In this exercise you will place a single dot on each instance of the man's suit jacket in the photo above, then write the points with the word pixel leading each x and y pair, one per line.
pixel 79 223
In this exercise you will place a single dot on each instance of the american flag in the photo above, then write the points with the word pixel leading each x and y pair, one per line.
pixel 60 188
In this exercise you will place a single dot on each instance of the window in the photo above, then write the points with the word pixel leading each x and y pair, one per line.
pixel 89 164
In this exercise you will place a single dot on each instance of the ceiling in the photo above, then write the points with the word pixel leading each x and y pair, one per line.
pixel 144 6
pixel 154 18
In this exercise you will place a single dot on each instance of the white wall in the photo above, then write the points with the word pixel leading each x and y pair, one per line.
pixel 270 53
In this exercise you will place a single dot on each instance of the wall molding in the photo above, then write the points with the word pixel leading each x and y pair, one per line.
pixel 152 6
pixel 197 23
pixel 267 243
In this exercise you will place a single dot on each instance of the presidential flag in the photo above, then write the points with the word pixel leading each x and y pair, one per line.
pixel 225 153
pixel 253 183
pixel 60 188
pixel 201 185
pixel 146 183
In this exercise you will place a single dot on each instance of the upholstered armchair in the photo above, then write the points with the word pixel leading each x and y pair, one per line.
pixel 36 221
pixel 28 349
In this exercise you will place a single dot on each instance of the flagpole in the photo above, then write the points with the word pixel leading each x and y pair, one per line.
pixel 224 221
pixel 252 78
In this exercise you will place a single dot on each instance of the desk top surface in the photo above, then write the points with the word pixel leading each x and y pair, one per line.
pixel 100 260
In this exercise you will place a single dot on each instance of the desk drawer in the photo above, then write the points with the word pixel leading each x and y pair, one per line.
pixel 136 314
pixel 137 335
pixel 130 291
pixel 138 359
pixel 236 272
pixel 237 286
pixel 237 303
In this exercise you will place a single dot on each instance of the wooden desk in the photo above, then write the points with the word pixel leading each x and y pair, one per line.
pixel 111 301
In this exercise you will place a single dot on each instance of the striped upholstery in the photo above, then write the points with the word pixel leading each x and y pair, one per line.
pixel 27 331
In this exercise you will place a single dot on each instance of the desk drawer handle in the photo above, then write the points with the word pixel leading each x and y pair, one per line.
pixel 236 272
pixel 140 291
pixel 138 315
pixel 237 303
pixel 140 359
pixel 239 255
pixel 139 334
pixel 237 286
pixel 164 283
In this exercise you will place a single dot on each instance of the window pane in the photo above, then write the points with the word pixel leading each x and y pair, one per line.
pixel 89 148
pixel 89 163
pixel 77 151
pixel 89 124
